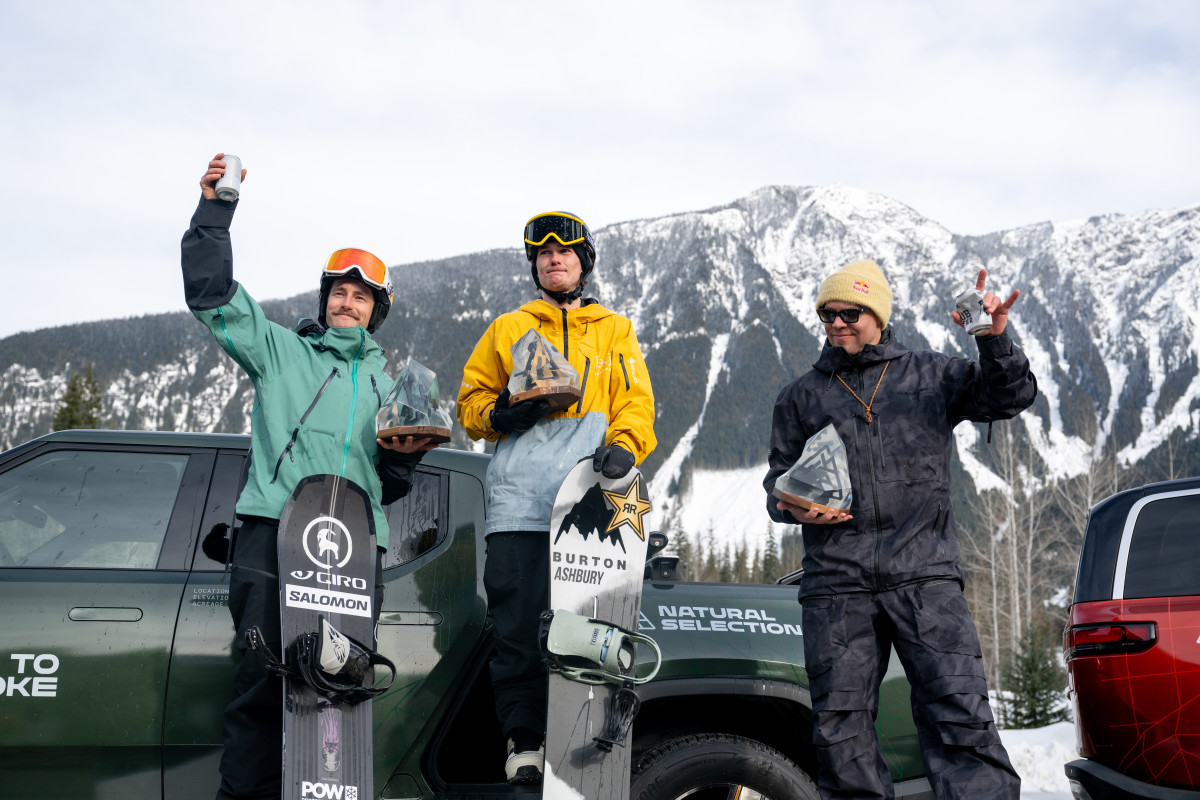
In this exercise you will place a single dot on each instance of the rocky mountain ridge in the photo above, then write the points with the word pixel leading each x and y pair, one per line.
pixel 723 301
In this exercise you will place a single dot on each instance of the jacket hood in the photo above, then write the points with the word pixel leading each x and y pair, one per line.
pixel 348 343
pixel 835 359
pixel 590 311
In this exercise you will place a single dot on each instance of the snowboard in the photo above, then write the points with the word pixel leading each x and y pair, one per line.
pixel 327 569
pixel 597 559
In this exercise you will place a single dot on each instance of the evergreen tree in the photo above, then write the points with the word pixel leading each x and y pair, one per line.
pixel 682 545
pixel 771 570
pixel 741 564
pixel 711 572
pixel 725 568
pixel 1034 684
pixel 791 551
pixel 80 403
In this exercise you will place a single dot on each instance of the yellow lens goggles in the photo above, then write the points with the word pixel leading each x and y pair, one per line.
pixel 567 229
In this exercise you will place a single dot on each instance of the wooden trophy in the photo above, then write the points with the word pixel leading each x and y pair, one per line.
pixel 413 407
pixel 820 478
pixel 540 372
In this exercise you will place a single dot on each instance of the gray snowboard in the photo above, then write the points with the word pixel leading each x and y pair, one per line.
pixel 326 569
pixel 597 559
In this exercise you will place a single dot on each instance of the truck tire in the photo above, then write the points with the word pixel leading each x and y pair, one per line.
pixel 712 766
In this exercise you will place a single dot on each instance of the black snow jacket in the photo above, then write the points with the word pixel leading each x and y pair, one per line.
pixel 903 529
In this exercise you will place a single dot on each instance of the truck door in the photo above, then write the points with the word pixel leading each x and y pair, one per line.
pixel 92 548
pixel 201 679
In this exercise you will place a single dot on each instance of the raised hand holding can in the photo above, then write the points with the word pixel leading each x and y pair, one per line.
pixel 229 187
pixel 969 305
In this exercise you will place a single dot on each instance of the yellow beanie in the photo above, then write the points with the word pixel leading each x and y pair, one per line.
pixel 861 283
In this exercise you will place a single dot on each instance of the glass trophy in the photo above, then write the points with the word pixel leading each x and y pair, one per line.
pixel 820 478
pixel 413 408
pixel 540 372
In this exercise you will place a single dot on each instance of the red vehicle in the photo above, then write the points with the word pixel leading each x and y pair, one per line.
pixel 1133 647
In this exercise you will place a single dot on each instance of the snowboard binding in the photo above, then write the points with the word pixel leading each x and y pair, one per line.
pixel 332 664
pixel 591 650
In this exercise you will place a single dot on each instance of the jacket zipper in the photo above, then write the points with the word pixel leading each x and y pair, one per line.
pixel 375 388
pixel 287 451
pixel 621 356
pixel 587 367
pixel 874 493
pixel 566 342
pixel 229 341
pixel 353 400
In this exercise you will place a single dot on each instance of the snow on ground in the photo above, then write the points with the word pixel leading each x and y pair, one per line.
pixel 1038 756
pixel 730 503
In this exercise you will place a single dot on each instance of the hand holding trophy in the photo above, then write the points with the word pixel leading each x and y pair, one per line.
pixel 540 372
pixel 413 408
pixel 819 481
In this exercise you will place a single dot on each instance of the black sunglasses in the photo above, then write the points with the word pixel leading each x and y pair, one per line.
pixel 848 315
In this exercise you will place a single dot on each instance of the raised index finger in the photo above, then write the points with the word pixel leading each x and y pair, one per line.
pixel 981 279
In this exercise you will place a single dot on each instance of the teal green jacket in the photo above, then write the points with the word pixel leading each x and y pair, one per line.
pixel 317 390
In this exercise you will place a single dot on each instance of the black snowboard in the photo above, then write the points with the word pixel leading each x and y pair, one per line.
pixel 327 569
pixel 597 559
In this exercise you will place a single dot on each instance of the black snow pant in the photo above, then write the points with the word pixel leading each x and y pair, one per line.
pixel 847 645
pixel 252 762
pixel 516 577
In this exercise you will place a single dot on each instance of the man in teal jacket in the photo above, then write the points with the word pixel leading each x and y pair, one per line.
pixel 317 390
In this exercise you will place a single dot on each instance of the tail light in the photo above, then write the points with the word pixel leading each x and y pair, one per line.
pixel 1110 638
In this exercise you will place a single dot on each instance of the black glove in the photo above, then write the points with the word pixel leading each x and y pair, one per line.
pixel 518 418
pixel 613 460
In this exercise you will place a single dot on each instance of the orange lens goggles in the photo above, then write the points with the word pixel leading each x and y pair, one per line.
pixel 369 268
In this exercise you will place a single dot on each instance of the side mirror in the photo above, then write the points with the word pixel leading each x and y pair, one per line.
pixel 656 542
pixel 662 568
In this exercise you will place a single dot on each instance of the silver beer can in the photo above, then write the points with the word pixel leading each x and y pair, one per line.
pixel 230 184
pixel 969 305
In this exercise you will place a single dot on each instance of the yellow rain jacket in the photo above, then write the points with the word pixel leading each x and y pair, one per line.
pixel 617 406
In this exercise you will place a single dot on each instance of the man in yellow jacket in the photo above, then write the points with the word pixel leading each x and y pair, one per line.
pixel 535 449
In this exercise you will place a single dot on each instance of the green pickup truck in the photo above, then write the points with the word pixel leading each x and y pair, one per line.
pixel 116 647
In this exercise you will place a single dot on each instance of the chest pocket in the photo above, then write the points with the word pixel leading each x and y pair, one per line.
pixel 911 437
pixel 307 438
pixel 595 372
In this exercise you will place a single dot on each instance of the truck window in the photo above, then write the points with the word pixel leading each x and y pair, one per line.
pixel 88 509
pixel 417 521
pixel 1163 549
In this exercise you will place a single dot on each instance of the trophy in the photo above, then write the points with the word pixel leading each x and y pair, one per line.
pixel 412 407
pixel 540 372
pixel 820 478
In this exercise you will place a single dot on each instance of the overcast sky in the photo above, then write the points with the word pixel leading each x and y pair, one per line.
pixel 419 130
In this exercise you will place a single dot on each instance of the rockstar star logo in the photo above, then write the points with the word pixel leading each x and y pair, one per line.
pixel 629 507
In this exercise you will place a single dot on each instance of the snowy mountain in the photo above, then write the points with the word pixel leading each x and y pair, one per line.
pixel 723 302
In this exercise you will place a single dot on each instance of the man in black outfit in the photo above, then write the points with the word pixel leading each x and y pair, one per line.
pixel 886 573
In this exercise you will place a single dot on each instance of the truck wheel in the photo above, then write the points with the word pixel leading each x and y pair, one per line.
pixel 719 766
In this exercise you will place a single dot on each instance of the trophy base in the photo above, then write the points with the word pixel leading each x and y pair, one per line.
pixel 800 501
pixel 432 432
pixel 559 397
